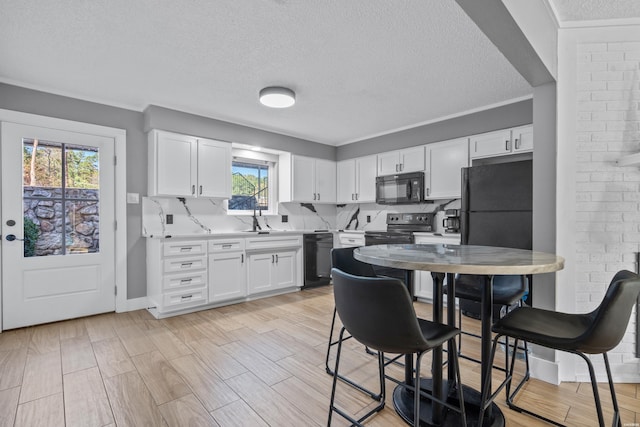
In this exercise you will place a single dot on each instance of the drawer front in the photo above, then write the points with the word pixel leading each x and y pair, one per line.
pixel 226 245
pixel 184 248
pixel 274 242
pixel 351 240
pixel 195 279
pixel 185 299
pixel 173 265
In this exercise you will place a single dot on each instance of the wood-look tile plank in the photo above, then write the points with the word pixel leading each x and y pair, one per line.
pixel 135 340
pixel 8 406
pixel 162 380
pixel 42 376
pixel 313 402
pixel 85 399
pixel 187 411
pixel 270 406
pixel 238 414
pixel 212 391
pixel 131 401
pixel 15 339
pixel 45 339
pixel 168 344
pixel 112 357
pixel 12 364
pixel 73 328
pixel 218 360
pixel 77 354
pixel 99 327
pixel 44 412
pixel 255 362
pixel 266 345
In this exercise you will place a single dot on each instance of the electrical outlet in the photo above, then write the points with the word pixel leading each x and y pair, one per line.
pixel 285 218
pixel 169 218
pixel 368 218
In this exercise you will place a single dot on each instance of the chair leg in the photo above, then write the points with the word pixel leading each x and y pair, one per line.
pixel 333 408
pixel 594 386
pixel 364 390
pixel 616 410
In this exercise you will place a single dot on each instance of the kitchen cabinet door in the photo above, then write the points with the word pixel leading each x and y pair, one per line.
pixel 227 276
pixel 443 179
pixel 346 181
pixel 302 179
pixel 412 159
pixel 491 144
pixel 388 163
pixel 172 164
pixel 259 268
pixel 365 179
pixel 522 139
pixel 284 270
pixel 325 180
pixel 214 169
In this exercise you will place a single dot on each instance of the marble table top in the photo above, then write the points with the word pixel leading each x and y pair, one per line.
pixel 464 259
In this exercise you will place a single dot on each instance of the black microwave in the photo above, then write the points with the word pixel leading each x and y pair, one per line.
pixel 400 189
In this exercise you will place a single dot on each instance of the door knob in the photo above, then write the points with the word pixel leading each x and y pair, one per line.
pixel 12 237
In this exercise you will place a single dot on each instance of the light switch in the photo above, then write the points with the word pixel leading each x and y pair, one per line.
pixel 133 198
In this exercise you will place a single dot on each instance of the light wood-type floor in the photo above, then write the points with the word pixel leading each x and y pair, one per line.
pixel 259 363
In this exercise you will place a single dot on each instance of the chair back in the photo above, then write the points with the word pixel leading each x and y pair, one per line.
pixel 378 312
pixel 610 319
pixel 342 259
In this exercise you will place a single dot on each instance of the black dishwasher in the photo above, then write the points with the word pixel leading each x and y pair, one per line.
pixel 316 248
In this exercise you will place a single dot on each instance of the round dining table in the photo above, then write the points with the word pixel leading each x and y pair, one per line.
pixel 449 260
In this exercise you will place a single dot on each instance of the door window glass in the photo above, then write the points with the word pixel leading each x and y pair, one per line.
pixel 60 198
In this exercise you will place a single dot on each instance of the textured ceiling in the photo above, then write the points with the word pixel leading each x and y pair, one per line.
pixel 360 68
pixel 594 10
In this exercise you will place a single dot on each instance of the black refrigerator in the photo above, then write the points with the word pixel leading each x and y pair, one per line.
pixel 496 209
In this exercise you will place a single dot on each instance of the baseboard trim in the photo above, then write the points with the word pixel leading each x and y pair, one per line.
pixel 544 370
pixel 135 304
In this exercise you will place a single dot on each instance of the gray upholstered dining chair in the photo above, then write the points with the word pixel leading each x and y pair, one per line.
pixel 596 332
pixel 379 313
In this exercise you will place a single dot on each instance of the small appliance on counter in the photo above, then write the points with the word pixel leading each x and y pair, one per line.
pixel 451 221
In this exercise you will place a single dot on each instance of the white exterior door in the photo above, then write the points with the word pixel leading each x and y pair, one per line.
pixel 58 225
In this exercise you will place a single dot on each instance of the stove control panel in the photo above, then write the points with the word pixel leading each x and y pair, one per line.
pixel 418 219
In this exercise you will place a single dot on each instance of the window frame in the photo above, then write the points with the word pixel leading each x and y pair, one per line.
pixel 261 159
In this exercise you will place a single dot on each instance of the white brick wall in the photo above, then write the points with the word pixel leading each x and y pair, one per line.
pixel 607 196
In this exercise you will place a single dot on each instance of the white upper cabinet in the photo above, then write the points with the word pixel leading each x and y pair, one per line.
pixel 307 180
pixel 401 161
pixel 185 166
pixel 357 180
pixel 444 161
pixel 498 143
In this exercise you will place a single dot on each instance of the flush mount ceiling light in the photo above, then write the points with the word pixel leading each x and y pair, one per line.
pixel 277 97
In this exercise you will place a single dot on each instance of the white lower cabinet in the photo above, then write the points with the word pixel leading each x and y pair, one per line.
pixel 176 274
pixel 422 280
pixel 189 275
pixel 227 272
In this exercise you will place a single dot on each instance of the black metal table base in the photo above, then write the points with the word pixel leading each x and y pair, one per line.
pixel 403 404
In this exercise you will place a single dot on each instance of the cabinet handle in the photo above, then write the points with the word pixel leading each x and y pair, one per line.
pixel 227 246
pixel 351 240
pixel 318 196
pixel 183 297
pixel 186 248
pixel 193 189
pixel 517 144
pixel 351 196
pixel 356 196
pixel 396 167
pixel 241 258
pixel 506 145
pixel 201 190
pixel 314 196
pixel 273 259
pixel 186 264
pixel 401 166
pixel 427 190
pixel 276 258
pixel 185 280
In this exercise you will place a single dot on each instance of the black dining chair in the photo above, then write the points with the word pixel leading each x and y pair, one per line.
pixel 379 313
pixel 508 291
pixel 342 259
pixel 596 332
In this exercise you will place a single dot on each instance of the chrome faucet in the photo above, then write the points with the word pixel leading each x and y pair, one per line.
pixel 256 224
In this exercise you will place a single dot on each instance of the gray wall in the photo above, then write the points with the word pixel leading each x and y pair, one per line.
pixel 135 123
pixel 516 114
pixel 176 121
